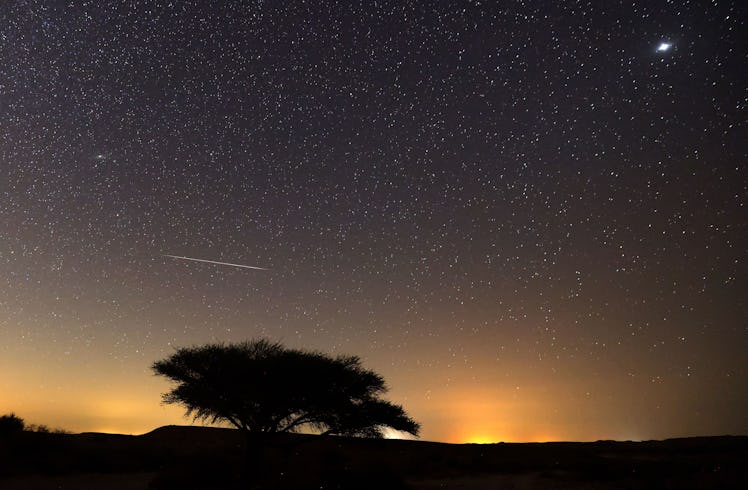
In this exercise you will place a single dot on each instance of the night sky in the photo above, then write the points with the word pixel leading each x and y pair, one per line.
pixel 530 218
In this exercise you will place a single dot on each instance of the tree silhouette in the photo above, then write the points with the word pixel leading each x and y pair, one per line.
pixel 10 424
pixel 262 387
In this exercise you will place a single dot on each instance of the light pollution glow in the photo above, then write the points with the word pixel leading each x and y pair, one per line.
pixel 112 402
pixel 475 420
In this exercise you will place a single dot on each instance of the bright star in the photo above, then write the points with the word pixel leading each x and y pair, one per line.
pixel 663 47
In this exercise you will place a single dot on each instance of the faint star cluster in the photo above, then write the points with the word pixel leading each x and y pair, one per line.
pixel 474 197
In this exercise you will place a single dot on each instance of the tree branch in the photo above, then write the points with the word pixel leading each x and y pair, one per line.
pixel 300 420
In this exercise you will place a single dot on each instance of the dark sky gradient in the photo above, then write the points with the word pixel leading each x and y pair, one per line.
pixel 527 218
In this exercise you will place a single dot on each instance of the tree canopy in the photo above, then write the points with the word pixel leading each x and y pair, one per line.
pixel 263 387
pixel 11 423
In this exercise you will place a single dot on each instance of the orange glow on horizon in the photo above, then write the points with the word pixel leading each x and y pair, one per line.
pixel 479 416
pixel 466 411
pixel 482 439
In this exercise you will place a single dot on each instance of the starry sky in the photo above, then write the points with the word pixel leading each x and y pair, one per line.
pixel 530 217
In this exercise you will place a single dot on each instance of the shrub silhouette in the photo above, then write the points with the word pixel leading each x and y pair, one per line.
pixel 262 387
pixel 10 424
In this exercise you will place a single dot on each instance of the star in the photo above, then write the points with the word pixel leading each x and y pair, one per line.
pixel 663 47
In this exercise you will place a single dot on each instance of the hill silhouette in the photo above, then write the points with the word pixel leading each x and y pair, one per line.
pixel 211 458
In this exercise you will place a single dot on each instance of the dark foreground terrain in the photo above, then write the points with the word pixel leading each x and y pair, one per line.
pixel 206 458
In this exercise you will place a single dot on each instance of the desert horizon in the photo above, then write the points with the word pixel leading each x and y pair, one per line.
pixel 209 457
pixel 478 439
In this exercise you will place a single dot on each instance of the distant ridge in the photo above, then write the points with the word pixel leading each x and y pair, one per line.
pixel 198 430
pixel 178 456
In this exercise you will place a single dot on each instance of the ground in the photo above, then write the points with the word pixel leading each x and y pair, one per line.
pixel 208 458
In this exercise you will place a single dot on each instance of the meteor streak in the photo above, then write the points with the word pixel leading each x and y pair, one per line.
pixel 214 262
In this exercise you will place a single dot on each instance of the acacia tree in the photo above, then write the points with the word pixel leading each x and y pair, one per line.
pixel 263 387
